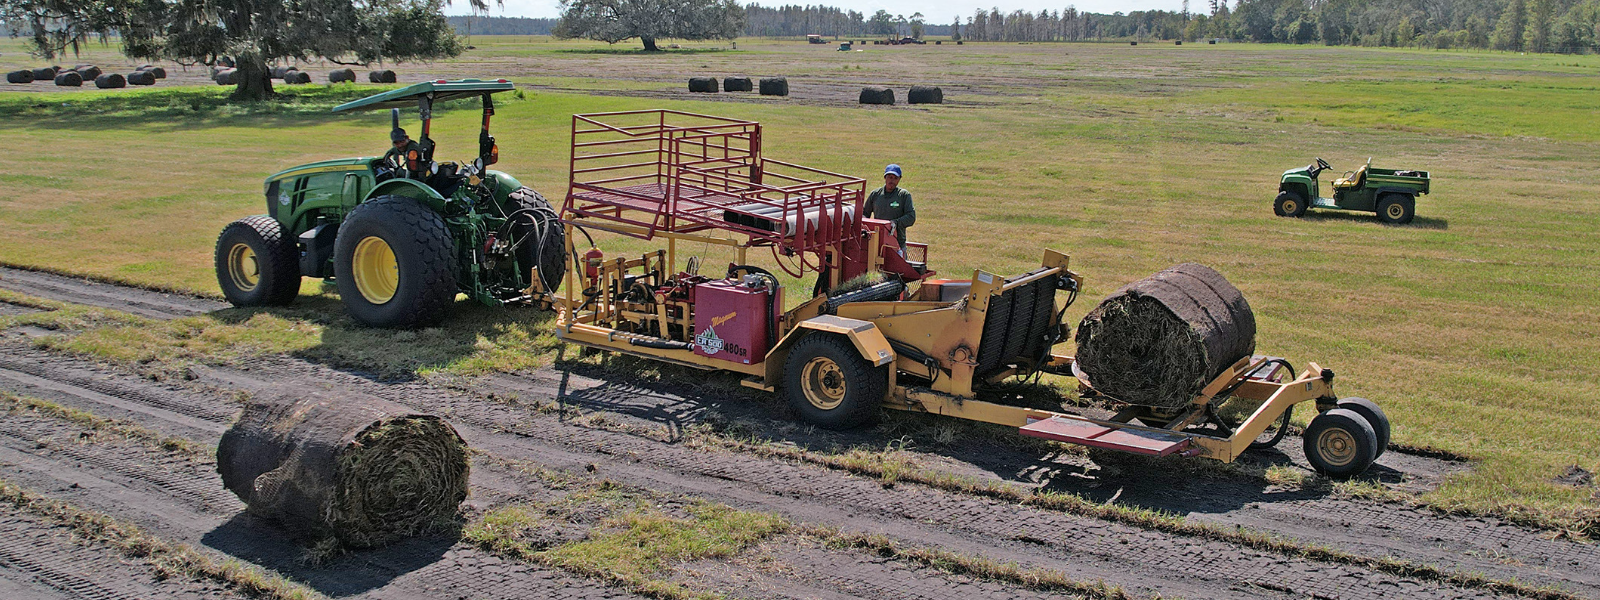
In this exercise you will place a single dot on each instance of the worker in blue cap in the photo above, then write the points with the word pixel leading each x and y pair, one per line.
pixel 892 203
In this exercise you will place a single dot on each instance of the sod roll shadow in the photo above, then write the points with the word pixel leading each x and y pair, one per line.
pixel 1159 340
pixel 354 467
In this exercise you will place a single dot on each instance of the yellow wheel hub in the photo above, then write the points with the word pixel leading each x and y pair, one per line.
pixel 375 270
pixel 1337 447
pixel 243 268
pixel 823 382
pixel 1396 211
pixel 1289 206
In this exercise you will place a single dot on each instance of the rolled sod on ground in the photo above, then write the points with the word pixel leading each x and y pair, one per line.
pixel 736 84
pixel 297 77
pixel 1159 340
pixel 354 467
pixel 703 84
pixel 22 76
pixel 69 79
pixel 384 76
pixel 342 75
pixel 775 86
pixel 225 77
pixel 279 71
pixel 925 94
pixel 157 72
pixel 45 73
pixel 141 78
pixel 877 95
pixel 88 72
pixel 110 81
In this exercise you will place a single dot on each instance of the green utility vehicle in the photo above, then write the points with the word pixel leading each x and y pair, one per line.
pixel 1390 193
pixel 401 235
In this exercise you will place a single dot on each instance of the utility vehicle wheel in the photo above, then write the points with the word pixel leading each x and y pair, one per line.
pixel 541 239
pixel 1340 443
pixel 1369 410
pixel 830 385
pixel 1274 432
pixel 256 264
pixel 394 263
pixel 1396 209
pixel 1288 205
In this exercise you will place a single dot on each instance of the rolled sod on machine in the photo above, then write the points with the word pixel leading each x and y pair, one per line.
pixel 736 84
pixel 354 467
pixel 877 95
pixel 1158 341
pixel 774 86
pixel 703 84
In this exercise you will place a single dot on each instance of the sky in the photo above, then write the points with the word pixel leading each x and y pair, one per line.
pixel 937 11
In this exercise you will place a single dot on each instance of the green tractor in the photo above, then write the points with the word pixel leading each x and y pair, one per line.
pixel 1390 193
pixel 400 235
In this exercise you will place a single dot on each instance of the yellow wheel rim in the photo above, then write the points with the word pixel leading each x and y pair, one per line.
pixel 1289 207
pixel 375 270
pixel 243 268
pixel 1337 447
pixel 823 382
pixel 1396 211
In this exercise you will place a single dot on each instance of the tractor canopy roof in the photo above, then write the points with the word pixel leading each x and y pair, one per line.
pixel 440 91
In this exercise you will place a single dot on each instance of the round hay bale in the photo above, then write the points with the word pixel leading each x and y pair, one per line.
pixel 774 86
pixel 280 70
pixel 45 73
pixel 141 78
pixel 737 84
pixel 877 95
pixel 342 75
pixel 349 466
pixel 157 72
pixel 20 76
pixel 1133 43
pixel 1177 42
pixel 88 72
pixel 925 94
pixel 69 79
pixel 938 42
pixel 110 81
pixel 1159 340
pixel 384 76
pixel 960 42
pixel 704 85
pixel 226 77
pixel 1212 42
pixel 297 77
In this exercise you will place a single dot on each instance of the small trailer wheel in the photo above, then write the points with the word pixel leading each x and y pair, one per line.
pixel 1340 443
pixel 828 383
pixel 1369 410
pixel 1274 432
pixel 1288 205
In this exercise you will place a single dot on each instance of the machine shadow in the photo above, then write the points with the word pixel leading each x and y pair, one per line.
pixel 353 572
pixel 1418 222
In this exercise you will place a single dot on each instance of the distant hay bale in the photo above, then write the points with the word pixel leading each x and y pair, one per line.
pixel 141 78
pixel 110 81
pixel 88 72
pixel 1159 340
pixel 737 84
pixel 1212 42
pixel 157 72
pixel 1177 42
pixel 938 42
pixel 349 466
pixel 20 76
pixel 960 42
pixel 925 94
pixel 69 79
pixel 1133 43
pixel 705 85
pixel 774 86
pixel 342 75
pixel 45 73
pixel 279 71
pixel 384 76
pixel 226 77
pixel 297 78
pixel 877 95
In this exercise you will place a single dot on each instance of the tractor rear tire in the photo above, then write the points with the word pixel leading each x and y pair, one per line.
pixel 548 247
pixel 1370 411
pixel 1397 209
pixel 1340 443
pixel 394 261
pixel 256 263
pixel 829 385
pixel 1289 205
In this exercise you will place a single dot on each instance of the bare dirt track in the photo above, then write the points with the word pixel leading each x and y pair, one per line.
pixel 643 444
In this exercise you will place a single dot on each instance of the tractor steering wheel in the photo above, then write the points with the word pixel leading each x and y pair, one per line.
pixel 1323 165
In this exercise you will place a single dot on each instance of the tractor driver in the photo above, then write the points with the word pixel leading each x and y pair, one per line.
pixel 405 156
pixel 893 203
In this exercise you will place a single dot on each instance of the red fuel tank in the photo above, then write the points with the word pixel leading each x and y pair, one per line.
pixel 734 321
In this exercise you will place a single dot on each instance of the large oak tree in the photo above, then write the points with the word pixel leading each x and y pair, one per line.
pixel 612 21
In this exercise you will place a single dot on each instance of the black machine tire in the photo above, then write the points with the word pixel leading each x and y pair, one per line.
pixel 256 263
pixel 548 249
pixel 422 253
pixel 1396 209
pixel 1340 443
pixel 828 383
pixel 1289 204
pixel 1271 436
pixel 1370 411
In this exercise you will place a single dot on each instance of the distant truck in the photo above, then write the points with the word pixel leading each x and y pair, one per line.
pixel 1390 193
pixel 815 39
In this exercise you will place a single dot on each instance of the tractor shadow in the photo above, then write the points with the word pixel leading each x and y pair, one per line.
pixel 339 573
pixel 1418 222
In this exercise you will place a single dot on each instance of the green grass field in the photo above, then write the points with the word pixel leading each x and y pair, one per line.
pixel 1477 327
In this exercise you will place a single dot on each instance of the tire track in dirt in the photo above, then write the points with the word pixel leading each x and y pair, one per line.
pixel 145 303
pixel 40 560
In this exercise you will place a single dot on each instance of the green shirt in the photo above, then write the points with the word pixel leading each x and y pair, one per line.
pixel 893 206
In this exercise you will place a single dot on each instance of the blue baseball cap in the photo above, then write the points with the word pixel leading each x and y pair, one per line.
pixel 892 169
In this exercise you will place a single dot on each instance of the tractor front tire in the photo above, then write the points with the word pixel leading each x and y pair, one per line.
pixel 256 263
pixel 394 261
pixel 1340 443
pixel 1397 209
pixel 828 383
pixel 1288 205
pixel 547 248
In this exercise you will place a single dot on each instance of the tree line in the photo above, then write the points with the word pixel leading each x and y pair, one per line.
pixel 484 25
